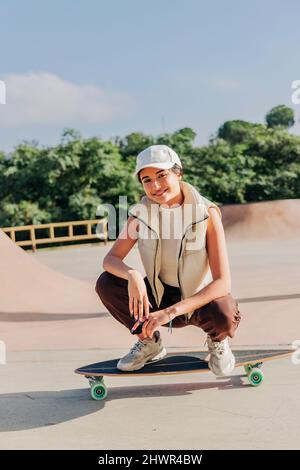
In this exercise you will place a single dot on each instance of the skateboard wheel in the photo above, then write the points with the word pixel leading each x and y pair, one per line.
pixel 255 377
pixel 99 391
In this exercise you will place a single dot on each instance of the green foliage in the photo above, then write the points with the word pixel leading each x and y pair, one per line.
pixel 181 141
pixel 83 205
pixel 23 213
pixel 282 116
pixel 245 162
pixel 237 131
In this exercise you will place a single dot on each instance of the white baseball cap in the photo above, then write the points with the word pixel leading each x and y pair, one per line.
pixel 158 156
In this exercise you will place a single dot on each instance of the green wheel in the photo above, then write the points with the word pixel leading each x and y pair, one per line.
pixel 99 391
pixel 255 377
pixel 248 368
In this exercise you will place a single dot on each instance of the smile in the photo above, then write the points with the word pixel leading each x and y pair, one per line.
pixel 160 193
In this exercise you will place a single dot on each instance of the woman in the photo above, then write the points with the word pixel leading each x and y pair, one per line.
pixel 182 246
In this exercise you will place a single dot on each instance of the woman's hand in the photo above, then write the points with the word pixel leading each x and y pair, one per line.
pixel 138 296
pixel 155 320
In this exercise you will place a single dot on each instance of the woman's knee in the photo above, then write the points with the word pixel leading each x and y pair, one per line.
pixel 101 283
pixel 104 284
pixel 227 315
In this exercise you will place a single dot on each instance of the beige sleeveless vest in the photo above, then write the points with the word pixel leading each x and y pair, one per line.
pixel 192 260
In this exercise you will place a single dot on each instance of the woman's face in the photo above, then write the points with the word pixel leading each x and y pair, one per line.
pixel 162 186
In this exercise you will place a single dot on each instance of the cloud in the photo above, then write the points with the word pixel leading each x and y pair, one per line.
pixel 46 99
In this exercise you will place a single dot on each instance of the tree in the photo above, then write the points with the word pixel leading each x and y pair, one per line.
pixel 245 162
pixel 282 116
pixel 23 213
pixel 237 131
pixel 181 141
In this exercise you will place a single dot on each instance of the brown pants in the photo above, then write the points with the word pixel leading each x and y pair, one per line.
pixel 219 318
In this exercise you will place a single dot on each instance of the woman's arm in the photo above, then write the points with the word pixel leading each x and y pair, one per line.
pixel 217 251
pixel 219 265
pixel 113 261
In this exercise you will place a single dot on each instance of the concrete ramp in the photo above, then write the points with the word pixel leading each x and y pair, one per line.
pixel 27 286
pixel 262 220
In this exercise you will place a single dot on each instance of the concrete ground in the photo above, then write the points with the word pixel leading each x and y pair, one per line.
pixel 44 405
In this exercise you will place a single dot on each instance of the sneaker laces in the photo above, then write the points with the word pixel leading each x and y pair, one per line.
pixel 137 347
pixel 216 346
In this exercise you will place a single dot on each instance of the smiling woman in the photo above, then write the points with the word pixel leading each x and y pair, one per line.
pixel 161 184
pixel 187 272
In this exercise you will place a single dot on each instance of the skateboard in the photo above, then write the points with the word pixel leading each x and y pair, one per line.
pixel 174 363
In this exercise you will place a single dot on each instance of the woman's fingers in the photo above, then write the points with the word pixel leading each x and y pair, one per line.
pixel 144 328
pixel 135 309
pixel 138 309
pixel 141 309
pixel 146 307
pixel 135 326
pixel 149 328
pixel 131 306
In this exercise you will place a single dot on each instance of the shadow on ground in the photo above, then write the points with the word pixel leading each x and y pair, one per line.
pixel 27 316
pixel 28 410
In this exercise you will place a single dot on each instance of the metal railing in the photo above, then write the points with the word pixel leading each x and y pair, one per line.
pixel 33 241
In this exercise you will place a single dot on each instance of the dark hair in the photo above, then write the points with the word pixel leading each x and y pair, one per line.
pixel 175 168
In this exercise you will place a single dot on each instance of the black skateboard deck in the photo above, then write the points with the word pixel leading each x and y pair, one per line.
pixel 174 363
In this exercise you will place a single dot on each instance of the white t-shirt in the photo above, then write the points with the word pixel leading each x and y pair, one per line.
pixel 171 224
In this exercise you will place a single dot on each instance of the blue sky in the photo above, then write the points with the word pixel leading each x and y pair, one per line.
pixel 111 68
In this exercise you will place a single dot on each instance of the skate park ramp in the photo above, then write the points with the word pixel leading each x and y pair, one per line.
pixel 262 220
pixel 29 287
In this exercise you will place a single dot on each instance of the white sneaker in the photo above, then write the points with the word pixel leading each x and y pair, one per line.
pixel 221 361
pixel 148 350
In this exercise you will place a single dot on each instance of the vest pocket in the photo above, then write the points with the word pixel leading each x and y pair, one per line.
pixel 191 252
pixel 194 246
pixel 195 239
